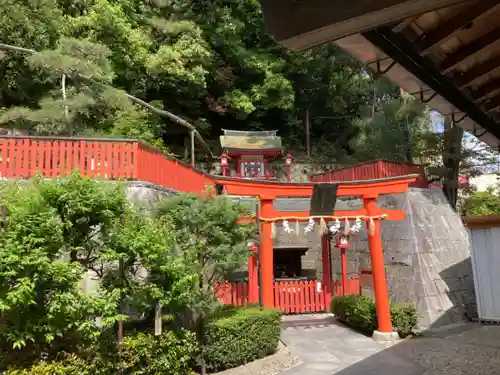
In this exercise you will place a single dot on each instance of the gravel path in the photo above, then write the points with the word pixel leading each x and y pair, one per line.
pixel 282 360
pixel 329 348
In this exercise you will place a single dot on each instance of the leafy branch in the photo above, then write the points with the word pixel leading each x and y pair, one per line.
pixel 162 113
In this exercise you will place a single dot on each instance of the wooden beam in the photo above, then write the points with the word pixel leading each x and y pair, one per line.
pixel 456 23
pixel 272 190
pixel 486 90
pixel 300 25
pixel 478 71
pixel 403 25
pixel 453 60
pixel 493 104
pixel 481 222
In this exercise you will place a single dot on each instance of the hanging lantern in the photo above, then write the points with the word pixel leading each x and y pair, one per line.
pixel 224 163
pixel 288 166
pixel 342 241
pixel 288 160
pixel 224 160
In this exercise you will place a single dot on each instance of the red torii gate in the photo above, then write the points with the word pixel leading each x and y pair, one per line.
pixel 368 191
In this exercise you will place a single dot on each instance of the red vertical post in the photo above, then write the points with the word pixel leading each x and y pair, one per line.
pixel 253 278
pixel 266 249
pixel 325 259
pixel 378 268
pixel 343 268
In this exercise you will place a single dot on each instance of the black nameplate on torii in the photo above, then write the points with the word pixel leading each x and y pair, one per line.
pixel 323 199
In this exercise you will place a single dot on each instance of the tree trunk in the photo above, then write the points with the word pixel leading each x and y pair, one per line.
pixel 451 161
pixel 201 343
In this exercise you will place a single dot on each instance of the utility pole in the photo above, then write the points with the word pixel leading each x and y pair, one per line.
pixel 192 148
pixel 409 151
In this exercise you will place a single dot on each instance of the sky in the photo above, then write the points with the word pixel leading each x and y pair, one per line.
pixel 470 141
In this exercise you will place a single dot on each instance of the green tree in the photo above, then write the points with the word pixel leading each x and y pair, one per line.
pixel 42 306
pixel 391 128
pixel 482 203
pixel 211 244
pixel 332 90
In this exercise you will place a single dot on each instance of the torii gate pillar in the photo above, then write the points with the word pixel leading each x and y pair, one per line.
pixel 378 272
pixel 267 254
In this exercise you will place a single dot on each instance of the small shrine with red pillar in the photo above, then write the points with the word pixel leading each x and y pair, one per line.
pixel 252 155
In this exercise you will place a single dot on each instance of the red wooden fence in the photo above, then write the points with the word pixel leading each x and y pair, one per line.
pixel 373 170
pixel 291 297
pixel 113 159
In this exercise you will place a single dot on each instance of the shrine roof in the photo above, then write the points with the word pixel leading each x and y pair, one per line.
pixel 443 52
pixel 250 140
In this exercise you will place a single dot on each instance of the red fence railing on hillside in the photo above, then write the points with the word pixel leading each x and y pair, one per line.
pixel 112 159
pixel 373 170
pixel 291 297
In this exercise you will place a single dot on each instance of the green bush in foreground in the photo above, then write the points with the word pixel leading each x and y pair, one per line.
pixel 241 335
pixel 360 312
pixel 142 354
pixel 69 366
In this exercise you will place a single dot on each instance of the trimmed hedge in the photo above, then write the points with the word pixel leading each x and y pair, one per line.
pixel 241 335
pixel 360 312
pixel 142 354
pixel 237 336
pixel 145 354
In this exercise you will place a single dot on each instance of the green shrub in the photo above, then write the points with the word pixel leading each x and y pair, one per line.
pixel 357 311
pixel 69 366
pixel 240 336
pixel 404 318
pixel 142 354
pixel 145 354
pixel 360 312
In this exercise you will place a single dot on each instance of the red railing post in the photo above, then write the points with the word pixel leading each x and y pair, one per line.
pixel 325 259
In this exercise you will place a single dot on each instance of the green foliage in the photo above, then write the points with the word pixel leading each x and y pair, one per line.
pixel 481 203
pixel 42 307
pixel 55 232
pixel 30 25
pixel 210 242
pixel 212 63
pixel 71 365
pixel 396 128
pixel 241 335
pixel 145 354
pixel 360 312
pixel 142 354
pixel 404 318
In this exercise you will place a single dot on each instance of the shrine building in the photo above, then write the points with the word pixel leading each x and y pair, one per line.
pixel 253 154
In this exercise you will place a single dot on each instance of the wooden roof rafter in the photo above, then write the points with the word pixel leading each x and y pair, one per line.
pixel 464 53
pixel 461 20
pixel 445 52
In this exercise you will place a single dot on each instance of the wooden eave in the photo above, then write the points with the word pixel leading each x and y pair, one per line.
pixel 445 53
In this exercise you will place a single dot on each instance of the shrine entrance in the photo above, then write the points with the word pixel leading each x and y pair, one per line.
pixel 308 296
